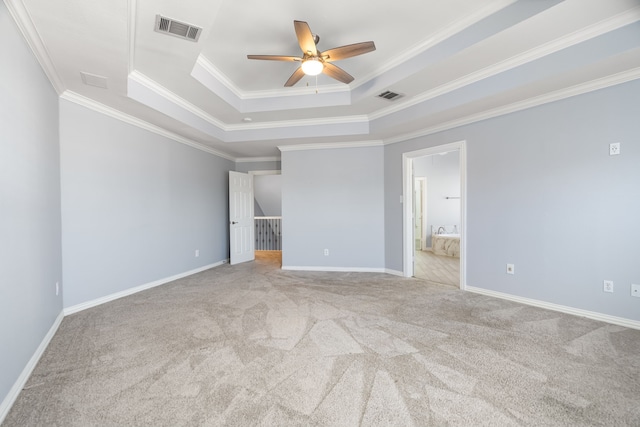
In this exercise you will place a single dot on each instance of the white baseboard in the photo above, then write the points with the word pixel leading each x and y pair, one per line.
pixel 335 269
pixel 98 301
pixel 9 400
pixel 344 269
pixel 394 272
pixel 11 397
pixel 621 321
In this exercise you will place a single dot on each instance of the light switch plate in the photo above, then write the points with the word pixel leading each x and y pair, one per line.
pixel 635 291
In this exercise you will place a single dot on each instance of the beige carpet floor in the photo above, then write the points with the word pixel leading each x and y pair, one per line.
pixel 253 345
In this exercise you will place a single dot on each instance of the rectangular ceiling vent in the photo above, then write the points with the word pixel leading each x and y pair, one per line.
pixel 176 28
pixel 391 96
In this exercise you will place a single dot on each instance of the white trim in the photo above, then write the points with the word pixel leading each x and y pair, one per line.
pixel 319 121
pixel 564 42
pixel 405 56
pixel 206 65
pixel 579 89
pixel 434 40
pixel 99 301
pixel 296 91
pixel 394 272
pixel 119 115
pixel 463 215
pixel 225 81
pixel 257 159
pixel 407 208
pixel 21 17
pixel 330 146
pixel 423 200
pixel 335 269
pixel 165 93
pixel 11 397
pixel 266 172
pixel 628 323
pixel 185 105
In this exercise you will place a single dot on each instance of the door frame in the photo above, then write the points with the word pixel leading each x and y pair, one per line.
pixel 423 197
pixel 408 242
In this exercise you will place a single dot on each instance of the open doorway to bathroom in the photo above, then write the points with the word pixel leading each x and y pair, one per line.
pixel 434 189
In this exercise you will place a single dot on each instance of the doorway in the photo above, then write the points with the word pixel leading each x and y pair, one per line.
pixel 268 214
pixel 434 195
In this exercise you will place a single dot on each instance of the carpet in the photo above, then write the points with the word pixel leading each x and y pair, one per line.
pixel 252 345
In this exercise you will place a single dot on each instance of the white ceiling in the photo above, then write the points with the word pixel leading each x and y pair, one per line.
pixel 454 62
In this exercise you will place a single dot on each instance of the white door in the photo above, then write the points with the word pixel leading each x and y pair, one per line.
pixel 241 217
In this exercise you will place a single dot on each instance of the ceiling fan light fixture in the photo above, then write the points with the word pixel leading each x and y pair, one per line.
pixel 313 61
pixel 312 67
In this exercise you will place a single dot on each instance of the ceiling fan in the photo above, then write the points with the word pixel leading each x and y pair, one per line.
pixel 314 62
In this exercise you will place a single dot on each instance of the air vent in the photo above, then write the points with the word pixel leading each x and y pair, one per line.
pixel 93 80
pixel 391 96
pixel 176 28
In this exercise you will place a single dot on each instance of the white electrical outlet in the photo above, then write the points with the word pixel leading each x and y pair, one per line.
pixel 197 253
pixel 607 286
pixel 635 291
pixel 614 148
pixel 511 269
pixel 326 252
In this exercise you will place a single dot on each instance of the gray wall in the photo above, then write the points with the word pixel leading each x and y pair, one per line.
pixel 443 180
pixel 272 165
pixel 30 255
pixel 544 194
pixel 333 199
pixel 267 190
pixel 135 205
pixel 265 203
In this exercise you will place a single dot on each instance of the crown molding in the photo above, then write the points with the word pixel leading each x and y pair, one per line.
pixel 161 91
pixel 321 121
pixel 444 34
pixel 610 24
pixel 580 89
pixel 165 93
pixel 208 66
pixel 21 17
pixel 329 145
pixel 257 159
pixel 297 91
pixel 437 38
pixel 119 115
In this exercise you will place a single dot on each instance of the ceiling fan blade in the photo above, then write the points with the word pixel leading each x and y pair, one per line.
pixel 305 38
pixel 337 73
pixel 295 77
pixel 348 51
pixel 274 57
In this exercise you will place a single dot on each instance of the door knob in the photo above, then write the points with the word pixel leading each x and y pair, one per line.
pixel 233 222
